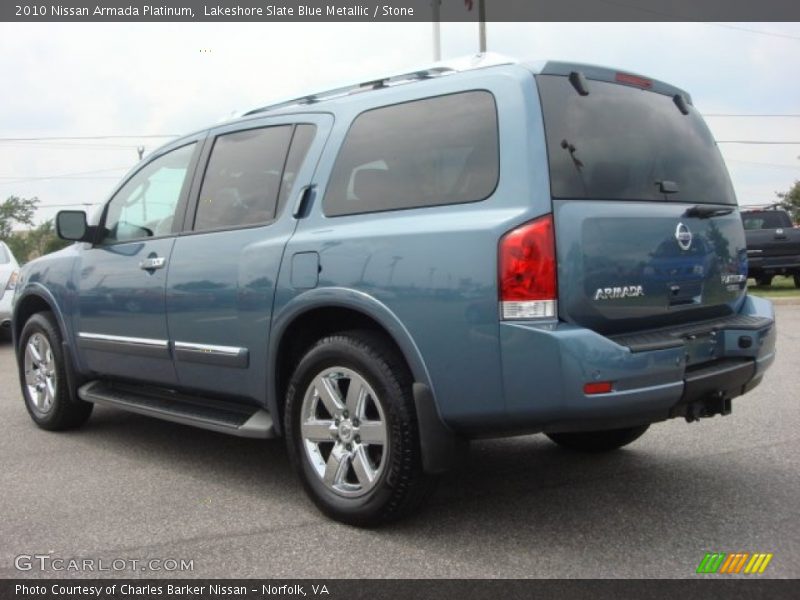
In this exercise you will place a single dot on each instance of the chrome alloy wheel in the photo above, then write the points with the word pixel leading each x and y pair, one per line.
pixel 344 432
pixel 40 372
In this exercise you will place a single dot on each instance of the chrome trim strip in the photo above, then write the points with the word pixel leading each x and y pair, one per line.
pixel 121 339
pixel 210 349
pixel 220 356
pixel 145 347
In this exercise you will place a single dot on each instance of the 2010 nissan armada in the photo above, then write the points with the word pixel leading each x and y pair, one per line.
pixel 380 272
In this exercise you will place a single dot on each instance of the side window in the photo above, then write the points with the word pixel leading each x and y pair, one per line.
pixel 301 142
pixel 145 205
pixel 441 150
pixel 243 178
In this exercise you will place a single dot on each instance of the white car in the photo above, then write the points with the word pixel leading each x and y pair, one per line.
pixel 9 271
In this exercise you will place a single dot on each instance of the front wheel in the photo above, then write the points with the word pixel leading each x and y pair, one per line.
pixel 351 430
pixel 43 375
pixel 598 441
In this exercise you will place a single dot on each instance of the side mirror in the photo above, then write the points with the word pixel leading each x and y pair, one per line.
pixel 71 225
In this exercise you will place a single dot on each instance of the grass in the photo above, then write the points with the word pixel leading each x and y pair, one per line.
pixel 782 287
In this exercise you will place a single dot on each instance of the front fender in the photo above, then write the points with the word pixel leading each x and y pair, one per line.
pixel 37 290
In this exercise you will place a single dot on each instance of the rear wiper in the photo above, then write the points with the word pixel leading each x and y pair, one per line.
pixel 704 211
pixel 571 148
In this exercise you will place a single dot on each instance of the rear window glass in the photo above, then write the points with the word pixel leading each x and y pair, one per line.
pixel 620 143
pixel 764 220
pixel 441 150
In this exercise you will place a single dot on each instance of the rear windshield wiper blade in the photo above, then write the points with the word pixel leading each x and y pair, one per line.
pixel 571 149
pixel 704 211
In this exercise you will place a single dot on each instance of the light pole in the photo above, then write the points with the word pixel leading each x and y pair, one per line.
pixel 482 25
pixel 437 33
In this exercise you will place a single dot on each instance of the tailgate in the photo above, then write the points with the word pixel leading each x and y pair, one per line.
pixel 773 242
pixel 627 266
pixel 647 230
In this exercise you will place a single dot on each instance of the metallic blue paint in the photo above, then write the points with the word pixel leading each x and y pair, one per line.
pixel 428 276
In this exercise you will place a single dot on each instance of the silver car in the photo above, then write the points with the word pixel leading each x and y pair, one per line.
pixel 9 271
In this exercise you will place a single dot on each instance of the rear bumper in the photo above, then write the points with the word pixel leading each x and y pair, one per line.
pixel 546 366
pixel 759 264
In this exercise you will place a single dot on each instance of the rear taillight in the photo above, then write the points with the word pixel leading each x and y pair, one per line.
pixel 12 281
pixel 527 271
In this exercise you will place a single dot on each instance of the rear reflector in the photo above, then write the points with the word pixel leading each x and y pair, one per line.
pixel 532 309
pixel 597 387
pixel 634 80
pixel 527 271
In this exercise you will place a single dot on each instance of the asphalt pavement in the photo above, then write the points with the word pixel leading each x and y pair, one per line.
pixel 126 487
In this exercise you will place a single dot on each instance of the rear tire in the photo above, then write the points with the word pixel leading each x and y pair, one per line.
pixel 43 377
pixel 598 441
pixel 351 430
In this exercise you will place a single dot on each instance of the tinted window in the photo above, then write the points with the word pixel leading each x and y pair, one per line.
pixel 145 205
pixel 765 220
pixel 243 178
pixel 441 150
pixel 619 142
pixel 301 142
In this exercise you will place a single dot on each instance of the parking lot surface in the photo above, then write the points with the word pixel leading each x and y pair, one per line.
pixel 129 487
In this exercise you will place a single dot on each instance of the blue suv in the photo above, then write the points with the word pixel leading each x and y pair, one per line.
pixel 380 272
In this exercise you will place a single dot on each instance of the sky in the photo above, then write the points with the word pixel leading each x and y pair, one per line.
pixel 153 79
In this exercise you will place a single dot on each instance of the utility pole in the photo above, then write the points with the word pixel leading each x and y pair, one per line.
pixel 482 24
pixel 437 33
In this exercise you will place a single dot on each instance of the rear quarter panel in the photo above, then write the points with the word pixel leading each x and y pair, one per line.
pixel 435 269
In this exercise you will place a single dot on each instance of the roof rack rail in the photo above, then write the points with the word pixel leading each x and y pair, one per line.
pixel 477 61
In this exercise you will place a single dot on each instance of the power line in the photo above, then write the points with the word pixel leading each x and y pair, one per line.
pixel 764 164
pixel 78 175
pixel 758 142
pixel 62 145
pixel 87 137
pixel 758 31
pixel 64 174
pixel 788 116
pixel 68 204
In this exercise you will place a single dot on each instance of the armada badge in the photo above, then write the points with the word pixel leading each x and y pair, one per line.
pixel 625 291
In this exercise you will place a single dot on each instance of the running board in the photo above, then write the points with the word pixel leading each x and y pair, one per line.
pixel 223 417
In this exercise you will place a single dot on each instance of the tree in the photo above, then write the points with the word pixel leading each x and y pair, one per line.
pixel 32 243
pixel 16 211
pixel 791 201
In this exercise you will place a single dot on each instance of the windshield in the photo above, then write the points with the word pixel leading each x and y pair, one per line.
pixel 4 257
pixel 623 143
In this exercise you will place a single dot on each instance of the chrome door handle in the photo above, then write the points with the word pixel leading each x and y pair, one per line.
pixel 152 263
